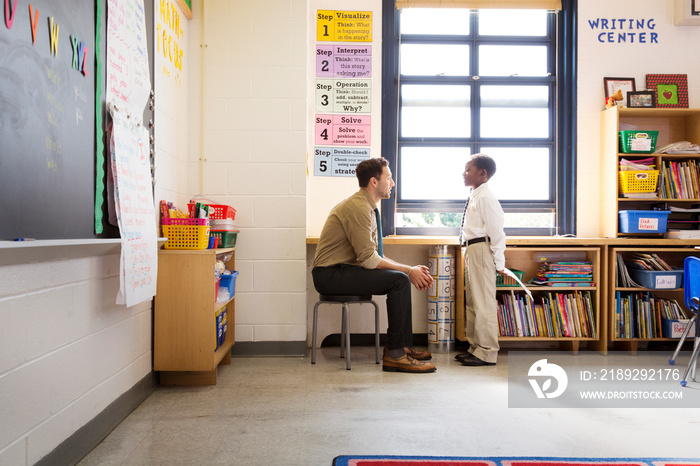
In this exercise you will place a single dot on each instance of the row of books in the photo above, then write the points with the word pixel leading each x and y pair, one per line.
pixel 638 315
pixel 679 180
pixel 554 315
pixel 564 274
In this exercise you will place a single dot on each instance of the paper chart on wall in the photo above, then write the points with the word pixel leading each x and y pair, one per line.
pixel 128 75
pixel 135 212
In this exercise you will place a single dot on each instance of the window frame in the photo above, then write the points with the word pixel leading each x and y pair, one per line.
pixel 562 122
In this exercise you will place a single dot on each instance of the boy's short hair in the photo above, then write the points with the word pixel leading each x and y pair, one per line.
pixel 369 168
pixel 484 162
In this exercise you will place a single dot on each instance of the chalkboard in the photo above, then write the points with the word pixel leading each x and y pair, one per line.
pixel 49 150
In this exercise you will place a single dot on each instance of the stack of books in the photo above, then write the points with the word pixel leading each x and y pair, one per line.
pixel 565 274
pixel 649 262
pixel 638 315
pixel 554 315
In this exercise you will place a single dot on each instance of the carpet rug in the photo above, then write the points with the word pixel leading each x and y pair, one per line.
pixel 371 460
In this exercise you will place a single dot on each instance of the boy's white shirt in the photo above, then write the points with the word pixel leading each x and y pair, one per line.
pixel 484 217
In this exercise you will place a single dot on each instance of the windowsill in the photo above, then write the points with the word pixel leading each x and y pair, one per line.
pixel 533 240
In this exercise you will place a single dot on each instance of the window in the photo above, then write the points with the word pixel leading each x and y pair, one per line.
pixel 465 81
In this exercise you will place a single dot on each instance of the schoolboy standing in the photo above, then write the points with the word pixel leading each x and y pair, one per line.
pixel 485 239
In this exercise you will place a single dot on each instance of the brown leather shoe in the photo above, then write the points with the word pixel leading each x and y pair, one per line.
pixel 420 355
pixel 406 364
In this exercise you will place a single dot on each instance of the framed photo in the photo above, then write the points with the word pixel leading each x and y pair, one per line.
pixel 671 89
pixel 641 99
pixel 613 84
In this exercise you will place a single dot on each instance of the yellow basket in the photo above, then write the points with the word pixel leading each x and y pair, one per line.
pixel 186 236
pixel 638 181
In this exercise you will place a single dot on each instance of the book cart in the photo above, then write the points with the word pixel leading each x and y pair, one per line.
pixel 185 348
pixel 524 258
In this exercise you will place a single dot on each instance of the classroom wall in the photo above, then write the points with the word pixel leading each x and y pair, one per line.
pixel 598 59
pixel 66 349
pixel 253 100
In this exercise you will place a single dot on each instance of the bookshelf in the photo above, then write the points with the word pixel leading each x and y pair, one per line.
pixel 525 259
pixel 673 125
pixel 184 341
pixel 620 336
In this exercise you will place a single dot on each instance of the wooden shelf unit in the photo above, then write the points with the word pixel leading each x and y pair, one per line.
pixel 673 125
pixel 674 256
pixel 185 322
pixel 521 258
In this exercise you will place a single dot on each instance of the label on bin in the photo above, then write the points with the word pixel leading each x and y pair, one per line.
pixel 648 224
pixel 665 281
pixel 641 142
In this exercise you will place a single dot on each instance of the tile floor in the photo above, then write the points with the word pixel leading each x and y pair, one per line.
pixel 285 411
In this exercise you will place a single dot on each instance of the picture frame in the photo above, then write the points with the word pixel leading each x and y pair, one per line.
pixel 613 84
pixel 641 99
pixel 671 90
pixel 686 13
pixel 186 7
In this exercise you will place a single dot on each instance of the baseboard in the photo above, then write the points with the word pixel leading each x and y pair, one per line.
pixel 78 445
pixel 269 348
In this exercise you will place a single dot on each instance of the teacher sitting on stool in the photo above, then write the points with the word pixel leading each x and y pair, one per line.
pixel 350 260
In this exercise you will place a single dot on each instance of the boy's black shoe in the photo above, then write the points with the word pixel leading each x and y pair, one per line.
pixel 472 361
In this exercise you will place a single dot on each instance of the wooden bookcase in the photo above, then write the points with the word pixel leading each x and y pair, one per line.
pixel 523 258
pixel 673 125
pixel 674 256
pixel 185 322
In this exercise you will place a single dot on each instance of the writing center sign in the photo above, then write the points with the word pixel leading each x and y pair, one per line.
pixel 625 30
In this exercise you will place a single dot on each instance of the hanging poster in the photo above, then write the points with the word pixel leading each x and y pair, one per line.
pixel 133 195
pixel 343 61
pixel 346 130
pixel 338 161
pixel 128 76
pixel 343 95
pixel 344 26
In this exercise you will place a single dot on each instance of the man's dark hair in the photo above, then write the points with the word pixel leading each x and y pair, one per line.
pixel 369 168
pixel 484 162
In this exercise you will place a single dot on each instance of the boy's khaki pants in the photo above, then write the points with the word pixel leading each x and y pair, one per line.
pixel 480 302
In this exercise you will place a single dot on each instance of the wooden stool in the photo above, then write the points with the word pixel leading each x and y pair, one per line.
pixel 345 300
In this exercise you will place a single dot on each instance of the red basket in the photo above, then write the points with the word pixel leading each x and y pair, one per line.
pixel 220 212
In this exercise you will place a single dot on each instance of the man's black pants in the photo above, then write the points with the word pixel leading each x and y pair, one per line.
pixel 353 280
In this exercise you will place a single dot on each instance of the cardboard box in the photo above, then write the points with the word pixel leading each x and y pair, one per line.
pixel 674 328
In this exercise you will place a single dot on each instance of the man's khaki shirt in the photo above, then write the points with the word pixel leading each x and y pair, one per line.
pixel 349 235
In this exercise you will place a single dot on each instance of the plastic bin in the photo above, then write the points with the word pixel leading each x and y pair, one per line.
pixel 657 279
pixel 643 221
pixel 509 281
pixel 186 233
pixel 638 181
pixel 672 328
pixel 638 142
pixel 229 282
pixel 219 212
pixel 227 239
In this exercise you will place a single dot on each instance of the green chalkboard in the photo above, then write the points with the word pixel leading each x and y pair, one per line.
pixel 51 113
